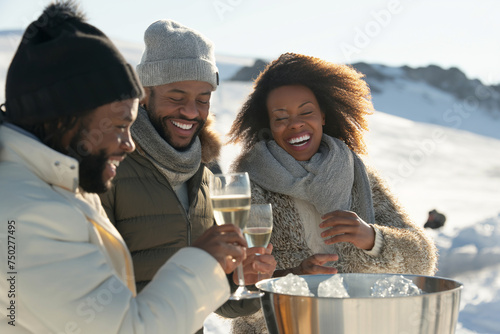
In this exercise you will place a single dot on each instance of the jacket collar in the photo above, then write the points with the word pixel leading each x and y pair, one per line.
pixel 49 165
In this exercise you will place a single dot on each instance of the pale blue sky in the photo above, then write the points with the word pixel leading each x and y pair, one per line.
pixel 460 33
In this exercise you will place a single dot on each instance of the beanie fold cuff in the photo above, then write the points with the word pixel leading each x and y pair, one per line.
pixel 175 70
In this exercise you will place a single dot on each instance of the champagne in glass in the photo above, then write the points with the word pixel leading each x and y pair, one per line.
pixel 231 209
pixel 257 236
pixel 258 229
pixel 230 195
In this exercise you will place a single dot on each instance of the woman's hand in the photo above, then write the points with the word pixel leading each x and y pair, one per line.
pixel 315 265
pixel 258 265
pixel 311 266
pixel 346 226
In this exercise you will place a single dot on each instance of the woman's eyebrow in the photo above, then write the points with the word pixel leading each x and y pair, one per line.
pixel 278 109
pixel 284 109
pixel 303 104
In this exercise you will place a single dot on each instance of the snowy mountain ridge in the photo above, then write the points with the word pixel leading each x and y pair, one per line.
pixel 452 81
pixel 437 96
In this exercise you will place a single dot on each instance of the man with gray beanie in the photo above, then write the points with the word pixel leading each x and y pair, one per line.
pixel 159 200
pixel 65 126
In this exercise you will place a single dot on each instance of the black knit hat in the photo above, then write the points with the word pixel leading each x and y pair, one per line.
pixel 64 66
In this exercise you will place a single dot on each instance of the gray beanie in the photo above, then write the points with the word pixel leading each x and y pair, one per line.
pixel 176 53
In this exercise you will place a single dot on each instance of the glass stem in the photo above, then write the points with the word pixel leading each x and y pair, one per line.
pixel 241 277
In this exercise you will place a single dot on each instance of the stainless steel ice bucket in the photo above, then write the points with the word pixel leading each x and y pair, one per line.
pixel 434 312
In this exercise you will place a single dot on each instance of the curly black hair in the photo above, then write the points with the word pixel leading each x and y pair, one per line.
pixel 340 90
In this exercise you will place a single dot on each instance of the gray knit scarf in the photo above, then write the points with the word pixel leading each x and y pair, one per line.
pixel 176 166
pixel 328 180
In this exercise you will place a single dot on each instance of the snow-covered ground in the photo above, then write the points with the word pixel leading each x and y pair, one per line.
pixel 429 167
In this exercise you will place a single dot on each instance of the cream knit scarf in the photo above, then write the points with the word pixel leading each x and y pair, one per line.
pixel 176 166
pixel 328 180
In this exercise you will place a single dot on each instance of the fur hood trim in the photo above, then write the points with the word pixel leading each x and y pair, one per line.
pixel 211 143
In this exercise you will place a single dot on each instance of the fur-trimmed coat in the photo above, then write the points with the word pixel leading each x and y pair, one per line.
pixel 406 248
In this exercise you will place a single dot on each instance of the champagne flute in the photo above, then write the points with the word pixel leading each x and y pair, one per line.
pixel 259 227
pixel 230 195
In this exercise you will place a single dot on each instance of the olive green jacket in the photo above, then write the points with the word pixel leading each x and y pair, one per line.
pixel 146 211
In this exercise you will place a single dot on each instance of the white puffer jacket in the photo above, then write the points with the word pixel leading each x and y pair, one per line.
pixel 71 271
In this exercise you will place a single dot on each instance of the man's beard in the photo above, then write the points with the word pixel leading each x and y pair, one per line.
pixel 160 126
pixel 91 170
pixel 91 167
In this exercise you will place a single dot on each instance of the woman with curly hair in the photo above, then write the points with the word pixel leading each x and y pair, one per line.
pixel 302 133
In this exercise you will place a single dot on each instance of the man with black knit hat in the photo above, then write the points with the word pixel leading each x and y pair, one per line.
pixel 159 200
pixel 65 126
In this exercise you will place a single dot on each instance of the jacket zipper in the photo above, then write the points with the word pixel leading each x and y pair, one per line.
pixel 188 217
pixel 188 213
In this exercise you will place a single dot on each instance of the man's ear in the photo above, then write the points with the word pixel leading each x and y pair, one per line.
pixel 145 100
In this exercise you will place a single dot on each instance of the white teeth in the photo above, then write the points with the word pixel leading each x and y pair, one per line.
pixel 114 162
pixel 301 139
pixel 182 126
